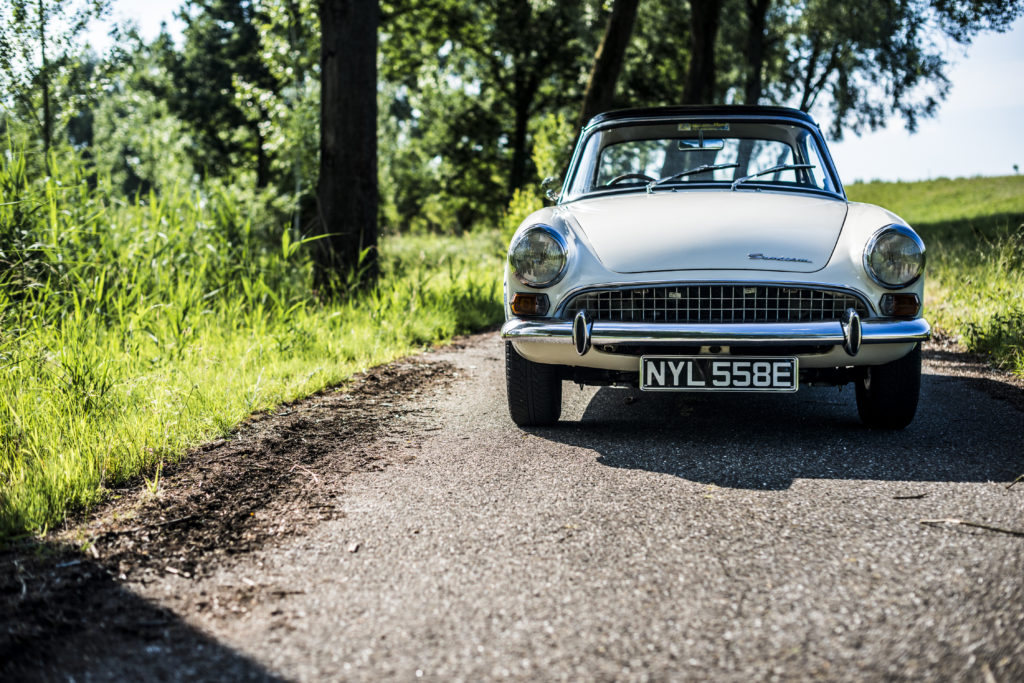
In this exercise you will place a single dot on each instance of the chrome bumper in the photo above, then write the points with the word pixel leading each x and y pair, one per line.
pixel 873 331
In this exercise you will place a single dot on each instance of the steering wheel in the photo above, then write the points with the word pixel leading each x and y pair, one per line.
pixel 629 176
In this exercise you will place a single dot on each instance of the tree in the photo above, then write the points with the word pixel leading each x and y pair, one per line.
pixel 347 187
pixel 608 60
pixel 657 58
pixel 526 45
pixel 133 138
pixel 289 36
pixel 215 75
pixel 40 42
pixel 869 60
pixel 471 81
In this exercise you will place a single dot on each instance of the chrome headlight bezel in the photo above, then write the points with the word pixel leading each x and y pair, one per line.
pixel 872 244
pixel 558 240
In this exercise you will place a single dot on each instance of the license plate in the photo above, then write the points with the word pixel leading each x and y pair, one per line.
pixel 709 373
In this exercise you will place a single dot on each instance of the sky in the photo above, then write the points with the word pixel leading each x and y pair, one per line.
pixel 979 129
pixel 148 14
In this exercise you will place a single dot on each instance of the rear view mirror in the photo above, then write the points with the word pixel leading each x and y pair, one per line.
pixel 701 145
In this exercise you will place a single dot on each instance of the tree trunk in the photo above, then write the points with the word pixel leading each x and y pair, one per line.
pixel 262 160
pixel 517 176
pixel 757 11
pixel 527 83
pixel 44 77
pixel 608 60
pixel 699 87
pixel 347 187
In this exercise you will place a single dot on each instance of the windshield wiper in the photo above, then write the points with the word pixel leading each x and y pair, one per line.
pixel 690 171
pixel 773 169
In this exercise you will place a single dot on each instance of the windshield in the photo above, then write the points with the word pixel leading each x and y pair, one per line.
pixel 663 155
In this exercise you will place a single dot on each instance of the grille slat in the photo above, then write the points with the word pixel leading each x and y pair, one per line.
pixel 737 303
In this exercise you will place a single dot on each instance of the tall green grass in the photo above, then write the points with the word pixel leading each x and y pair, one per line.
pixel 974 233
pixel 131 330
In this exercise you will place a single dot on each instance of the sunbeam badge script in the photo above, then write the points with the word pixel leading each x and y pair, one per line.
pixel 790 259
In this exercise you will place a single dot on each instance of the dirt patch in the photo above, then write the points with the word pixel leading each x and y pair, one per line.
pixel 278 474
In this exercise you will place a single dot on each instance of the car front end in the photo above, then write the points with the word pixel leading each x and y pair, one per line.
pixel 687 280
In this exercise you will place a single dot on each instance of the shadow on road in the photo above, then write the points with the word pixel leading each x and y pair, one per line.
pixel 64 617
pixel 766 441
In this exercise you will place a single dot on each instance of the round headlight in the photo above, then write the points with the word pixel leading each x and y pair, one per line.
pixel 894 256
pixel 538 256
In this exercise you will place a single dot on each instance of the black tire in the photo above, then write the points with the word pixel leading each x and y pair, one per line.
pixel 887 394
pixel 534 390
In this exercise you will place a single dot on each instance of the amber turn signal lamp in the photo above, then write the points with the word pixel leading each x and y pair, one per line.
pixel 529 304
pixel 900 305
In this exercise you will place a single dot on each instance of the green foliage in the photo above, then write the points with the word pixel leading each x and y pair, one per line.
pixel 288 34
pixel 869 61
pixel 135 142
pixel 552 147
pixel 524 202
pixel 465 85
pixel 220 85
pixel 131 330
pixel 656 60
pixel 553 141
pixel 1002 336
pixel 973 229
pixel 40 58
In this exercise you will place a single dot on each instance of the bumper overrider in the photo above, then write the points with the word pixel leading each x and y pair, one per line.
pixel 851 332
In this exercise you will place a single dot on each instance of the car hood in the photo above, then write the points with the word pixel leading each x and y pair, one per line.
pixel 710 230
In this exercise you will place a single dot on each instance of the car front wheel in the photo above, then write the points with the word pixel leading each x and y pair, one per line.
pixel 887 394
pixel 534 390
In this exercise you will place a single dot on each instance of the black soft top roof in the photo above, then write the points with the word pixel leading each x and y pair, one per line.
pixel 700 110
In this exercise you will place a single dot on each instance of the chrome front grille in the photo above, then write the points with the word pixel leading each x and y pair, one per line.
pixel 725 303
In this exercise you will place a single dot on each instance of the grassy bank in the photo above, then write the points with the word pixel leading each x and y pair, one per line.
pixel 130 331
pixel 974 232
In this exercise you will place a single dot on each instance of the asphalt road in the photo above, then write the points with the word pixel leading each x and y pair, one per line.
pixel 667 537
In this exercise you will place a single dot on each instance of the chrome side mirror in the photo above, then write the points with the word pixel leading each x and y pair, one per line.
pixel 548 186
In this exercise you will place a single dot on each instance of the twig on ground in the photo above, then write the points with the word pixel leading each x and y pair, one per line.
pixel 913 497
pixel 1010 485
pixel 964 522
pixel 316 479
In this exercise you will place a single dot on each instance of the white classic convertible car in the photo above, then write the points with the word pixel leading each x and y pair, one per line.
pixel 712 249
